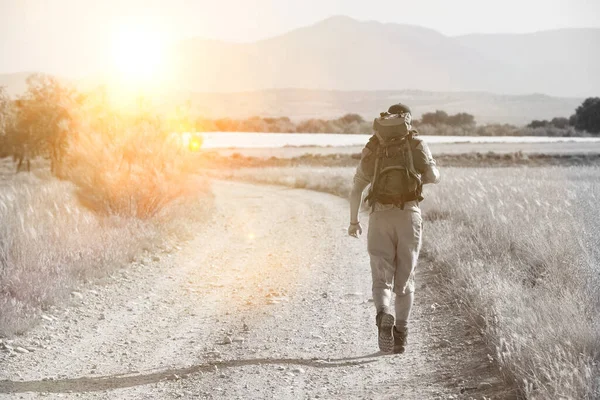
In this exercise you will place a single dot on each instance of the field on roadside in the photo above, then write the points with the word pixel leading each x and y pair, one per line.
pixel 50 243
pixel 517 249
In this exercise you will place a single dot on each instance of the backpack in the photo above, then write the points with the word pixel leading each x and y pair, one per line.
pixel 390 162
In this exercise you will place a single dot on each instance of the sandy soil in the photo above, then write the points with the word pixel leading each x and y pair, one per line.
pixel 270 300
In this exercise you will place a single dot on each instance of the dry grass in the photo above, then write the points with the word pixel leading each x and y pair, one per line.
pixel 136 172
pixel 520 248
pixel 48 243
pixel 55 235
pixel 517 249
pixel 334 180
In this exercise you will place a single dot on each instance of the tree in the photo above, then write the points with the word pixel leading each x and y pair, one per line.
pixel 280 125
pixel 560 122
pixel 350 118
pixel 314 126
pixel 461 119
pixel 442 118
pixel 587 115
pixel 44 121
pixel 226 125
pixel 434 119
pixel 538 124
pixel 7 122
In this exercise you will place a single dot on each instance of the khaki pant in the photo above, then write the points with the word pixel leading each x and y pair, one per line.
pixel 394 242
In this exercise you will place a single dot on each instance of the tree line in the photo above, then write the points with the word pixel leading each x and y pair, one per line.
pixel 585 121
pixel 586 118
pixel 350 124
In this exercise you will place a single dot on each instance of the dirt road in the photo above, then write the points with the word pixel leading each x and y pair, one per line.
pixel 270 300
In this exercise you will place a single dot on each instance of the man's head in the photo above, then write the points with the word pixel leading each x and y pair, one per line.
pixel 399 109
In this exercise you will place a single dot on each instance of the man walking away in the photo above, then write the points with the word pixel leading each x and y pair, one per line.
pixel 396 163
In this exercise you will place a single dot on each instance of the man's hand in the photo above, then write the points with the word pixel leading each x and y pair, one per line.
pixel 355 230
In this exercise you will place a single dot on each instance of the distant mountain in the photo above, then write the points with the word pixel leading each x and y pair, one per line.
pixel 562 62
pixel 341 53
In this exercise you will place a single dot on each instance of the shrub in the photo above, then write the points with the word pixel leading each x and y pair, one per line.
pixel 442 118
pixel 314 126
pixel 461 119
pixel 128 167
pixel 351 118
pixel 559 123
pixel 43 117
pixel 538 124
pixel 7 123
pixel 434 119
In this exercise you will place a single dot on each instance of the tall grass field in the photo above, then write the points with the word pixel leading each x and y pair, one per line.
pixel 519 250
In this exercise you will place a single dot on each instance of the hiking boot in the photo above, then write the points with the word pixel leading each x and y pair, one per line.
pixel 400 340
pixel 385 337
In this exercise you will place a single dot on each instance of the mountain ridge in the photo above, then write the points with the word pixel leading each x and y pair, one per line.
pixel 341 53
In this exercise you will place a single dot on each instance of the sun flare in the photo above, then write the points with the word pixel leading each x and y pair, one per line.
pixel 138 54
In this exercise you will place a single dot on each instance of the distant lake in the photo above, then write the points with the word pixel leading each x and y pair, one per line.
pixel 215 140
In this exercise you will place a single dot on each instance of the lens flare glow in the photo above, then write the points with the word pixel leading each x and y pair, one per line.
pixel 191 141
pixel 139 53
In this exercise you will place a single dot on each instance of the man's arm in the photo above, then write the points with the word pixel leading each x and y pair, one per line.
pixel 424 162
pixel 359 185
pixel 356 197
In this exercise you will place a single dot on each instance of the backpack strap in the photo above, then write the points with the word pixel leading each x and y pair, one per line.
pixel 381 139
pixel 378 156
pixel 410 168
pixel 380 149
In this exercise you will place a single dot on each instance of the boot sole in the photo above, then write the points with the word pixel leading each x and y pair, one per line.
pixel 385 337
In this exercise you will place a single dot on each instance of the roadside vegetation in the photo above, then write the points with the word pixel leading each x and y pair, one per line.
pixel 517 250
pixel 584 122
pixel 104 189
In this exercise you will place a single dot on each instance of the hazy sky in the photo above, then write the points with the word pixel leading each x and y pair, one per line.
pixel 73 37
